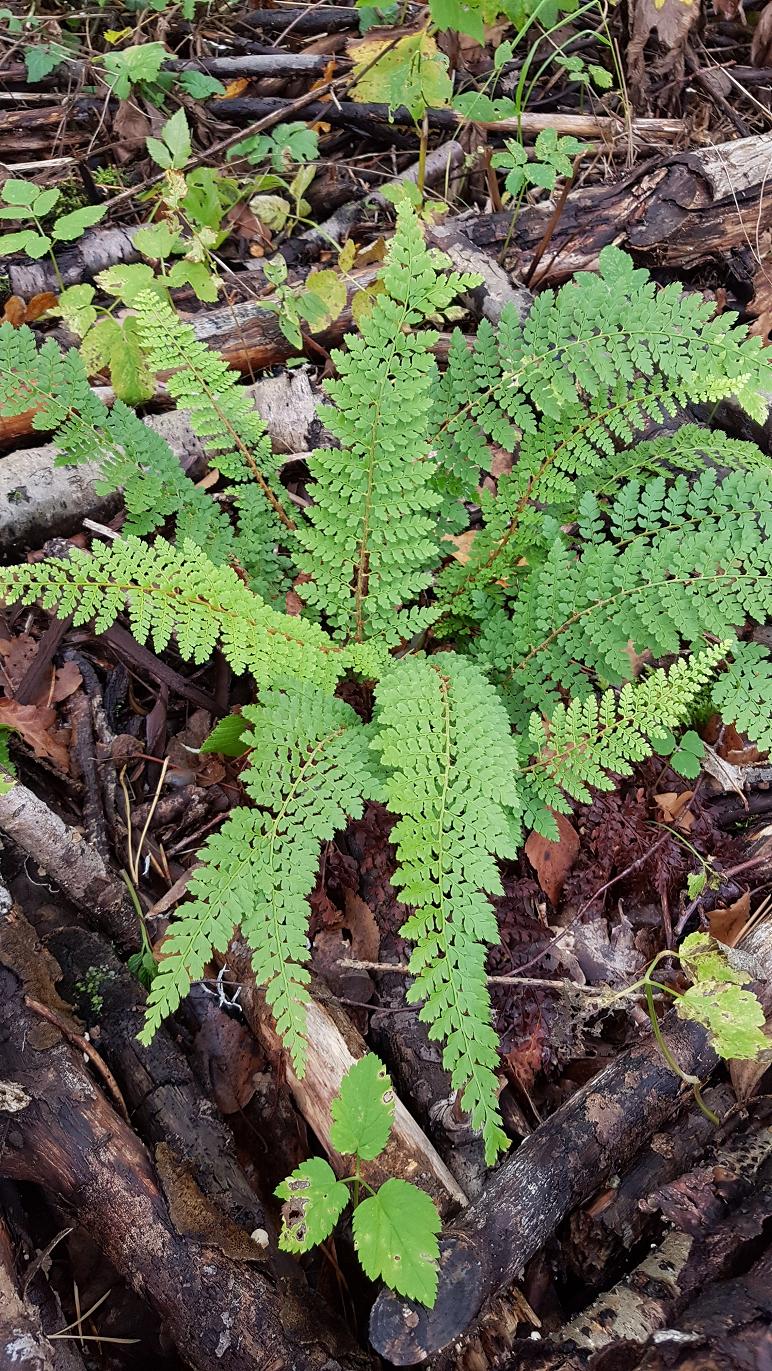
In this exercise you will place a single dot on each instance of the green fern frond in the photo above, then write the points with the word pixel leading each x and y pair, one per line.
pixel 589 741
pixel 373 532
pixel 665 565
pixel 219 410
pixel 444 741
pixel 310 767
pixel 168 590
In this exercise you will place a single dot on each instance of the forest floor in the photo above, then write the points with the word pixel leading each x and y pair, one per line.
pixel 137 1210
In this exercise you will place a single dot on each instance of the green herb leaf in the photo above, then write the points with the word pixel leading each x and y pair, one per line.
pixel 395 1235
pixel 227 737
pixel 314 1201
pixel 74 224
pixel 199 85
pixel 363 1112
pixel 76 309
pixel 734 1018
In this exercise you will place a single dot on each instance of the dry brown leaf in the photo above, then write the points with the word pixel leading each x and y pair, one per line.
pixel 761 45
pixel 672 22
pixel 727 924
pixel 67 679
pixel 553 861
pixel 674 811
pixel 15 311
pixel 17 655
pixel 35 726
pixel 39 305
pixel 234 88
pixel 462 542
pixel 361 924
pixel 131 126
pixel 746 1076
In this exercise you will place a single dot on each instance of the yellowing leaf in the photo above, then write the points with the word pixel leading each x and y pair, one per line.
pixel 413 73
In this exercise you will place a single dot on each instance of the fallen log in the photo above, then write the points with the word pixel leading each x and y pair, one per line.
pixel 220 1308
pixel 688 208
pixel 595 1134
pixel 346 112
pixel 94 252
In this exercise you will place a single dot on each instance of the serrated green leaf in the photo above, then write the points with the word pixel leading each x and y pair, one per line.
pixel 128 280
pixel 686 764
pixel 74 224
pixel 156 241
pixel 197 275
pixel 695 883
pixel 16 242
pixel 733 1018
pixel 314 1200
pixel 363 1111
pixel 413 73
pixel 76 309
pixel 395 1235
pixel 159 153
pixel 36 245
pixel 227 736
pixel 199 85
pixel 46 201
pixel 132 379
pixel 43 58
pixel 705 959
pixel 16 192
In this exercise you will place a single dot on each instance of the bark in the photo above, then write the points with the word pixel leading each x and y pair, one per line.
pixel 59 850
pixel 95 251
pixel 594 1135
pixel 257 64
pixel 23 1342
pixel 219 1307
pixel 690 207
pixel 333 1047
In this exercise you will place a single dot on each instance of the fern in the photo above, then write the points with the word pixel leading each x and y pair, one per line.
pixel 608 535
pixel 444 741
pixel 587 742
pixel 167 590
pixel 661 567
pixel 372 537
pixel 309 769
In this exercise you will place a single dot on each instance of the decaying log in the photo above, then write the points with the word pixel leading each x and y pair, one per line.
pixel 166 1104
pixel 529 125
pixel 94 252
pixel 23 1343
pixel 496 289
pixel 595 1134
pixel 726 1209
pixel 333 1047
pixel 219 1307
pixel 689 207
pixel 60 851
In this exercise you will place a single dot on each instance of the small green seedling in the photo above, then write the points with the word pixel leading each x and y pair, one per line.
pixel 732 1017
pixel 285 146
pixel 395 1228
pixel 553 156
pixel 24 200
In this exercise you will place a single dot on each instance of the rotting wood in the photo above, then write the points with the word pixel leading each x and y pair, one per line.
pixel 595 1134
pixel 23 1343
pixel 60 851
pixel 219 1307
pixel 333 1047
pixel 688 208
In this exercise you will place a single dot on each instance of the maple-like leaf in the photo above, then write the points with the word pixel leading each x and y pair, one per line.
pixel 395 1235
pixel 362 1113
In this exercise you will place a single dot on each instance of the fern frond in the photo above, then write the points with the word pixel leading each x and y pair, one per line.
pixel 444 741
pixel 590 369
pixel 219 410
pixel 589 741
pixel 310 768
pixel 373 532
pixel 664 566
pixel 168 590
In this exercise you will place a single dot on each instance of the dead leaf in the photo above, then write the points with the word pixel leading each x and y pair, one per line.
pixel 553 861
pixel 234 88
pixel 664 27
pixel 727 924
pixel 17 655
pixel 67 679
pixel 729 9
pixel 761 45
pixel 361 924
pixel 15 311
pixel 131 126
pixel 746 1076
pixel 462 542
pixel 674 811
pixel 39 305
pixel 606 954
pixel 35 726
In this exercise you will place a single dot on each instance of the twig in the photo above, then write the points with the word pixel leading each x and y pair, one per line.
pixel 85 1046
